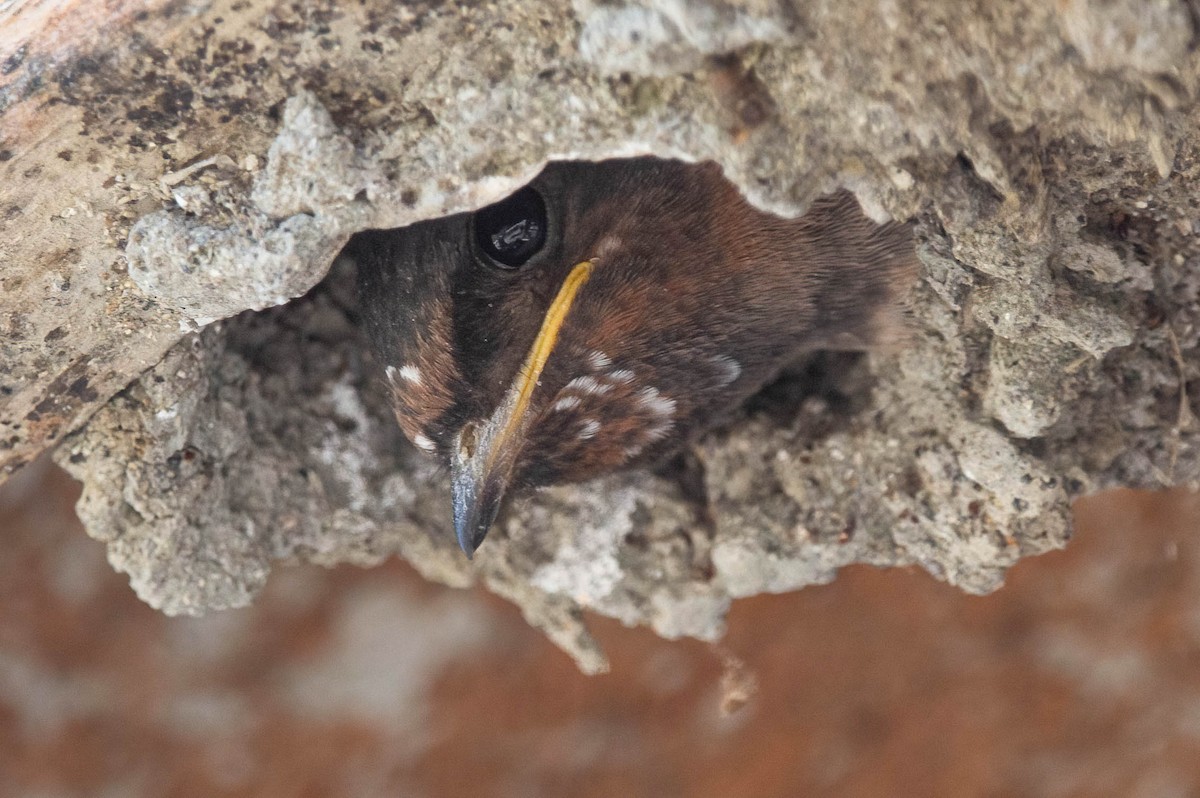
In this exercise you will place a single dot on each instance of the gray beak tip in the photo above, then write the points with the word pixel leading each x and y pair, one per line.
pixel 476 503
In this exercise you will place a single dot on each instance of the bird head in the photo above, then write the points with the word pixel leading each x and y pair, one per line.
pixel 594 320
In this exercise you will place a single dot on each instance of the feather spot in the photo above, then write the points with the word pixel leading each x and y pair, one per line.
pixel 653 401
pixel 587 385
pixel 659 430
pixel 590 428
pixel 425 443
pixel 410 374
pixel 622 376
pixel 728 369
pixel 598 360
pixel 566 403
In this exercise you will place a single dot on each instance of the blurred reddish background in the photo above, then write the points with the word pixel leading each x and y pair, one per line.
pixel 1081 677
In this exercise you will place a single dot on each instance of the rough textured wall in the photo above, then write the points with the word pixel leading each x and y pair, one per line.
pixel 197 161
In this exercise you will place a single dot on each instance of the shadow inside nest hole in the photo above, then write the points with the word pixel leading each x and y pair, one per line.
pixel 840 380
pixel 827 388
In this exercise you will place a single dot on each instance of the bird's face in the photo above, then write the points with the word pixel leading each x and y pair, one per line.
pixel 596 319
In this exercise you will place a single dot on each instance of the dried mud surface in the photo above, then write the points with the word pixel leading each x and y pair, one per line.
pixel 203 163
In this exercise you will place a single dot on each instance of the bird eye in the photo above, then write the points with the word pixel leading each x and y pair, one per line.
pixel 513 230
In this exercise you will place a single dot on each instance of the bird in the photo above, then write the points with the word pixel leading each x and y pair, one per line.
pixel 607 314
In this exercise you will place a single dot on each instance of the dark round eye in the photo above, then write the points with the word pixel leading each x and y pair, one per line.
pixel 513 230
